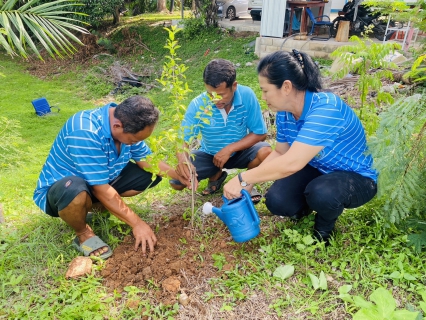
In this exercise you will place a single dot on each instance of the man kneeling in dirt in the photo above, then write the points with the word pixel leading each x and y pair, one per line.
pixel 89 162
pixel 232 129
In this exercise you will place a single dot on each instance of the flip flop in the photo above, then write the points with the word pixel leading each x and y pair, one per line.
pixel 217 184
pixel 92 244
pixel 255 194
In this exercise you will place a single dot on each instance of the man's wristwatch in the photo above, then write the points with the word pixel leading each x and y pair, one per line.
pixel 243 183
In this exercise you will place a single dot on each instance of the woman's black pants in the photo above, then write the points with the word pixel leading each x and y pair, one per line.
pixel 327 194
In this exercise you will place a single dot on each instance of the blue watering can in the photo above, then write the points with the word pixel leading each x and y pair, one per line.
pixel 239 215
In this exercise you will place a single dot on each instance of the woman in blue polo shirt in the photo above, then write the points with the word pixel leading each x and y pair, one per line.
pixel 320 162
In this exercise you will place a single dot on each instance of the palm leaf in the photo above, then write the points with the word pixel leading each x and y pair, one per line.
pixel 47 23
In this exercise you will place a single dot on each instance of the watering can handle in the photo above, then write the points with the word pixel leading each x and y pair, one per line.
pixel 253 211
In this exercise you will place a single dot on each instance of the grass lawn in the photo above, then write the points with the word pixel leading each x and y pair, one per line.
pixel 281 274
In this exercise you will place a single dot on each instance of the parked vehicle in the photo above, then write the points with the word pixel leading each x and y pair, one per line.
pixel 255 9
pixel 361 17
pixel 232 9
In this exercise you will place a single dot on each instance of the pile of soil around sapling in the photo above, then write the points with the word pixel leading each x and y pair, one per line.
pixel 181 252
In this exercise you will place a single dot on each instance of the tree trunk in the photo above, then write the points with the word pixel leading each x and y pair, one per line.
pixel 116 15
pixel 161 5
pixel 172 4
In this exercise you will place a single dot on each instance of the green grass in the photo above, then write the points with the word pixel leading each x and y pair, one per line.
pixel 35 250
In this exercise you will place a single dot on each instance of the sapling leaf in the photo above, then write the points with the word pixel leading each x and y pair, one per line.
pixel 284 272
pixel 314 280
pixel 323 281
pixel 395 275
pixel 384 301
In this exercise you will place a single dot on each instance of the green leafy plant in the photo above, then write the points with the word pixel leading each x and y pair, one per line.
pixel 418 70
pixel 219 260
pixel 49 23
pixel 284 272
pixel 318 283
pixel 381 306
pixel 398 149
pixel 364 56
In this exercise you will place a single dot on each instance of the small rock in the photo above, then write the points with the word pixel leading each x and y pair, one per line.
pixel 249 64
pixel 79 266
pixel 183 299
pixel 238 65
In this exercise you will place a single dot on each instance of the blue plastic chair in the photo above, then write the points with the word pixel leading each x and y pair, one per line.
pixel 42 107
pixel 322 23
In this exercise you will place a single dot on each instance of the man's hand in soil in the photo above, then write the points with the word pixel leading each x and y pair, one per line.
pixel 144 235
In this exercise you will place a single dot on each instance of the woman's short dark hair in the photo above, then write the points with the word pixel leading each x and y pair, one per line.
pixel 297 67
pixel 218 71
pixel 136 113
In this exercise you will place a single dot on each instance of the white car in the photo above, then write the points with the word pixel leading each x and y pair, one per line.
pixel 232 9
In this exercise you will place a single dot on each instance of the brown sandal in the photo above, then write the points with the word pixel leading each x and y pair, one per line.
pixel 217 184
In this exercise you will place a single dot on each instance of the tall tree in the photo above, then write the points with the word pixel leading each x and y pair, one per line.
pixel 30 26
pixel 161 5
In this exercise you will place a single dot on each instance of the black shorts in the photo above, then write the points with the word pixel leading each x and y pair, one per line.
pixel 62 192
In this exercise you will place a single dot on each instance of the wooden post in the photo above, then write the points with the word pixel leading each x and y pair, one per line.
pixel 343 31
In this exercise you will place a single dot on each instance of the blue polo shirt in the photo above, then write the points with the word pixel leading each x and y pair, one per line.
pixel 85 148
pixel 218 130
pixel 329 122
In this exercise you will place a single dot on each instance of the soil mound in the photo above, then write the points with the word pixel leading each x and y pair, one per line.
pixel 182 252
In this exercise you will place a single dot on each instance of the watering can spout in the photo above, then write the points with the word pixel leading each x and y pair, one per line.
pixel 208 208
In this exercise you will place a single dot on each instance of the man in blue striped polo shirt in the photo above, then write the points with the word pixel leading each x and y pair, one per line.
pixel 90 161
pixel 229 120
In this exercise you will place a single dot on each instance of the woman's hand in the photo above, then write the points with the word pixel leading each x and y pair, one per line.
pixel 232 189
